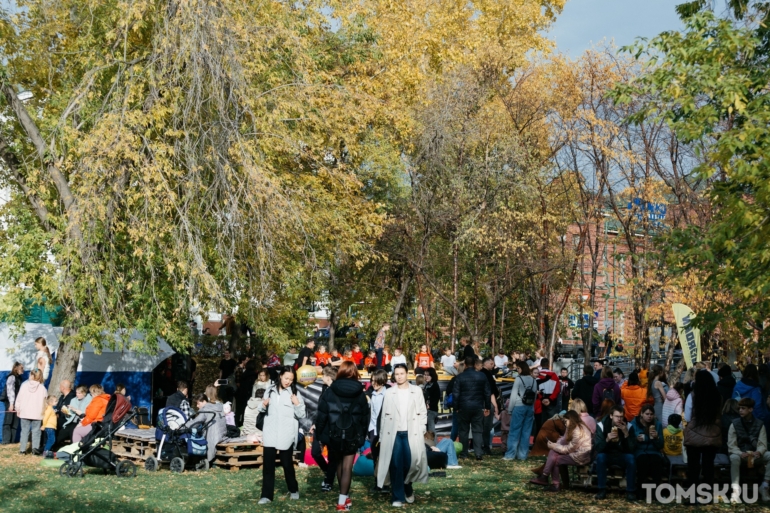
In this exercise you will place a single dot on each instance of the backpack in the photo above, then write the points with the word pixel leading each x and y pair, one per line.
pixel 528 399
pixel 608 393
pixel 344 435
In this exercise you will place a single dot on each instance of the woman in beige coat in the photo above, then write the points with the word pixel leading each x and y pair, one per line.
pixel 402 459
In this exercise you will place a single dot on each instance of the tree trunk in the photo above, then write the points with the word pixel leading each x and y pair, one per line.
pixel 425 311
pixel 66 366
pixel 453 327
pixel 332 329
pixel 405 281
pixel 502 326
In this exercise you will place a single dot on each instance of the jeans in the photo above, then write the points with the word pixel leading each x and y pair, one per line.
pixel 455 427
pixel 522 419
pixel 10 425
pixel 28 425
pixel 50 438
pixel 623 460
pixel 432 415
pixel 268 471
pixel 400 463
pixel 471 420
pixel 447 446
pixel 695 464
pixel 378 359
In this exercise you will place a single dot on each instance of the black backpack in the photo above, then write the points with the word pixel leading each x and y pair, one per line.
pixel 609 393
pixel 344 432
pixel 528 399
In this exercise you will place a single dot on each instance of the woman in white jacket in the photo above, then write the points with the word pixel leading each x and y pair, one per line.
pixel 281 426
pixel 403 460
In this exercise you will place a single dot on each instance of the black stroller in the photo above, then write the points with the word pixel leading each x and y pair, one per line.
pixel 96 447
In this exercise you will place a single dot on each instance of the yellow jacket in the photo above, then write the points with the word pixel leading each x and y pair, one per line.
pixel 49 418
pixel 672 441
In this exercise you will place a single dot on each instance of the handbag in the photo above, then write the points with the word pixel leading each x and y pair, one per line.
pixel 261 415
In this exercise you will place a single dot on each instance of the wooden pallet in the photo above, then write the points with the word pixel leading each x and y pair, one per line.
pixel 136 445
pixel 236 454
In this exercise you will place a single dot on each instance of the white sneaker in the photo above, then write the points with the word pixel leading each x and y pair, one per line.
pixel 410 499
pixel 453 467
pixel 764 490
pixel 735 496
pixel 397 504
pixel 294 496
pixel 264 500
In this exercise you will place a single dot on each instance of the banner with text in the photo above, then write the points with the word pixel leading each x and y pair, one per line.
pixel 689 336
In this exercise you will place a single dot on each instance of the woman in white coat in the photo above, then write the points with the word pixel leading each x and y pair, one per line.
pixel 402 459
pixel 281 427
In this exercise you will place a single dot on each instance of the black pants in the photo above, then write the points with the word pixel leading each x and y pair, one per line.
pixel 489 421
pixel 268 471
pixel 64 435
pixel 10 424
pixel 650 468
pixel 471 420
pixel 329 469
pixel 700 460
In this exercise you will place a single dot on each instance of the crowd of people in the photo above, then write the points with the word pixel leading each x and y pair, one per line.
pixel 640 423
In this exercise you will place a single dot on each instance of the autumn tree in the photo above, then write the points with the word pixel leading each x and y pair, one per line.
pixel 168 154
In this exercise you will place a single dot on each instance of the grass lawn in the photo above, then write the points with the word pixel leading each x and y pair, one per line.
pixel 490 485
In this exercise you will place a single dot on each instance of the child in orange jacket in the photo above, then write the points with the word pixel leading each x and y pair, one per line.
pixel 49 426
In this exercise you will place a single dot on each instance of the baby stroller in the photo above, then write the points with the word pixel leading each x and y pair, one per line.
pixel 183 447
pixel 96 447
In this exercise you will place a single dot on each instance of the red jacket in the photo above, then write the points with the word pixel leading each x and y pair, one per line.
pixel 552 395
pixel 357 357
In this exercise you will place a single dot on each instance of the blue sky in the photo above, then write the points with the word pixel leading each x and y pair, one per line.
pixel 587 21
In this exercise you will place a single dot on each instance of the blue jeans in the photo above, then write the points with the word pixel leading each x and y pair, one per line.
pixel 378 359
pixel 455 427
pixel 447 446
pixel 50 438
pixel 522 419
pixel 400 463
pixel 626 461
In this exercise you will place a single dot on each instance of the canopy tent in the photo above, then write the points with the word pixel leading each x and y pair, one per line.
pixel 109 368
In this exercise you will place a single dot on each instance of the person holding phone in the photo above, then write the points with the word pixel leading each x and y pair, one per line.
pixel 650 462
pixel 615 445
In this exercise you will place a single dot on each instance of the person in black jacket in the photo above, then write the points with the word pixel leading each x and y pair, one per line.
pixel 584 387
pixel 467 349
pixel 472 400
pixel 179 399
pixel 344 400
pixel 243 393
pixel 432 393
pixel 329 468
pixel 726 382
pixel 615 444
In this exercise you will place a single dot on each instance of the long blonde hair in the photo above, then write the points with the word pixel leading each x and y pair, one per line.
pixel 211 393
